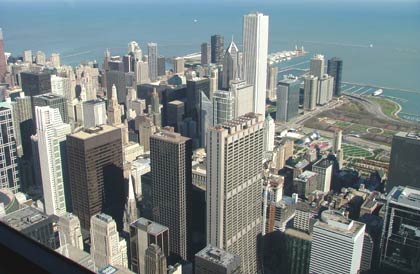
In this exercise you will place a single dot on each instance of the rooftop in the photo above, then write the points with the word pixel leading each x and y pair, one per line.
pixel 298 234
pixel 301 164
pixel 334 221
pixel 152 227
pixel 240 123
pixel 409 135
pixel 172 137
pixel 104 217
pixel 93 132
pixel 217 256
pixel 306 175
pixel 24 218
pixel 324 163
pixel 405 196
pixel 49 96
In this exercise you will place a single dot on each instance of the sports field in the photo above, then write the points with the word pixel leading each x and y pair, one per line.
pixel 356 152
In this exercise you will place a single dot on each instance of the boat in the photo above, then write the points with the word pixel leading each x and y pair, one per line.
pixel 377 92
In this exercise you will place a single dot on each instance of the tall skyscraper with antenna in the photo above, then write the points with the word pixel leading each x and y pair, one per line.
pixel 255 43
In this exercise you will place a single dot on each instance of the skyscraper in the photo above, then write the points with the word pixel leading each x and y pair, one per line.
pixel 234 172
pixel 142 234
pixel 114 109
pixel 335 69
pixel 338 136
pixel 170 162
pixel 146 129
pixel 106 246
pixel 152 54
pixel 272 76
pixel 205 54
pixel 317 66
pixel 155 260
pixel 337 244
pixel 55 60
pixel 255 43
pixel 324 170
pixel 35 83
pixel 94 113
pixel 53 101
pixel 27 56
pixel 269 132
pixel 40 58
pixel 51 146
pixel 161 63
pixel 325 89
pixel 116 78
pixel 404 168
pixel 179 64
pixel 230 65
pixel 141 72
pixel 95 160
pixel 223 106
pixel 8 154
pixel 3 64
pixel 400 245
pixel 287 99
pixel 155 107
pixel 69 231
pixel 217 49
pixel 243 94
pixel 310 93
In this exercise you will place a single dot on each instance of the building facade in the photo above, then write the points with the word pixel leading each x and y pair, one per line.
pixel 404 168
pixel 234 172
pixel 106 246
pixel 400 244
pixel 93 154
pixel 52 134
pixel 255 43
pixel 9 171
pixel 170 162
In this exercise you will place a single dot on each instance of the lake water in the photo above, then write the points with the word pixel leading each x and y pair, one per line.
pixel 82 31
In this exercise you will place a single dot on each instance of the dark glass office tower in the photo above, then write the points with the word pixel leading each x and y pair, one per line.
pixel 335 69
pixel 217 49
pixel 53 101
pixel 95 169
pixel 35 83
pixel 404 167
pixel 287 99
pixel 170 163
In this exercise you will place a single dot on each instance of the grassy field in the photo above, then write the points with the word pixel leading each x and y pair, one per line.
pixel 388 107
pixel 353 151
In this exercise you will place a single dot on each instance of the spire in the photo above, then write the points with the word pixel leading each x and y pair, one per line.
pixel 114 92
pixel 130 189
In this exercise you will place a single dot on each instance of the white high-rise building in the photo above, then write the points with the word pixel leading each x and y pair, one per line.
pixel 234 172
pixel 51 136
pixel 69 231
pixel 94 113
pixel 107 248
pixel 337 244
pixel 55 60
pixel 223 106
pixel 255 43
pixel 60 85
pixel 152 55
pixel 27 56
pixel 317 66
pixel 8 157
pixel 269 131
